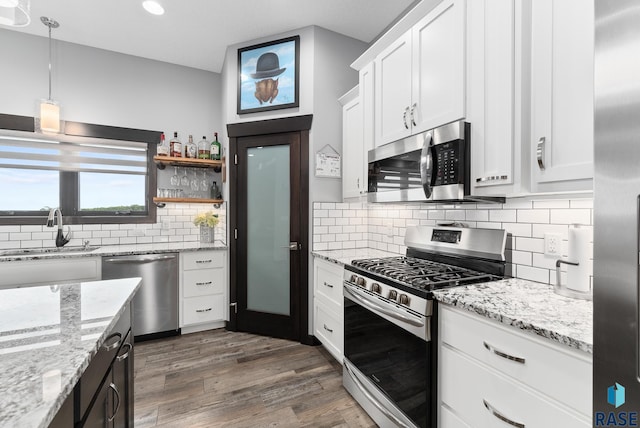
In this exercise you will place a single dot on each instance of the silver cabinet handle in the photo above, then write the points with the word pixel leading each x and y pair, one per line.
pixel 330 330
pixel 203 261
pixel 500 416
pixel 404 117
pixel 204 310
pixel 358 183
pixel 413 120
pixel 328 285
pixel 540 153
pixel 491 178
pixel 371 398
pixel 114 345
pixel 124 356
pixel 115 390
pixel 204 283
pixel 136 259
pixel 427 165
pixel 503 354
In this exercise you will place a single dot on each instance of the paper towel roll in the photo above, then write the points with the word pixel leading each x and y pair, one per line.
pixel 578 276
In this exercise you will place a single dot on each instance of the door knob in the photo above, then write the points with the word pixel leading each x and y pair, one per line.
pixel 294 246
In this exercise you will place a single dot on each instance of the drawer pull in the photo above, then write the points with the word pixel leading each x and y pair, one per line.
pixel 328 285
pixel 491 178
pixel 124 356
pixel 500 416
pixel 204 283
pixel 113 345
pixel 502 354
pixel 204 261
pixel 204 310
pixel 117 396
pixel 330 330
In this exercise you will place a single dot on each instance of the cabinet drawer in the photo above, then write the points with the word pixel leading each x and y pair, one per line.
pixel 203 259
pixel 480 396
pixel 328 282
pixel 448 419
pixel 202 282
pixel 329 329
pixel 99 366
pixel 202 309
pixel 563 374
pixel 49 271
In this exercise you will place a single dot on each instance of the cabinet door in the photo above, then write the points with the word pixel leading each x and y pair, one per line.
pixel 102 409
pixel 491 97
pixel 352 150
pixel 393 91
pixel 562 94
pixel 438 75
pixel 123 380
pixel 367 101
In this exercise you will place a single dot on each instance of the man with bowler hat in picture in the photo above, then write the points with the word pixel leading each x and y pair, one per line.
pixel 268 66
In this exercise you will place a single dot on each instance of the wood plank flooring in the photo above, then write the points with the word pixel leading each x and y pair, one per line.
pixel 226 379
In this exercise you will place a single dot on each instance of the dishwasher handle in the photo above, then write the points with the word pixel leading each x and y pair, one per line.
pixel 137 259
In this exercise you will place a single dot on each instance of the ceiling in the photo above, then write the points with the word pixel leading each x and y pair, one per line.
pixel 195 33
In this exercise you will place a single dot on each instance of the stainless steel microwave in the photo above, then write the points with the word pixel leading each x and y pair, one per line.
pixel 433 166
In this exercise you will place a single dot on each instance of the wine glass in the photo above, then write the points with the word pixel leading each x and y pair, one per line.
pixel 184 180
pixel 204 184
pixel 194 183
pixel 175 179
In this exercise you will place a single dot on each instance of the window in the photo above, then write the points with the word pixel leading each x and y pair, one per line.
pixel 93 180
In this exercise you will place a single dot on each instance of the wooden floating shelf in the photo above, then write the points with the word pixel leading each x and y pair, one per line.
pixel 189 200
pixel 195 163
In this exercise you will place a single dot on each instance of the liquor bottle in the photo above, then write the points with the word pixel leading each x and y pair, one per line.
pixel 191 150
pixel 204 150
pixel 163 148
pixel 216 148
pixel 175 147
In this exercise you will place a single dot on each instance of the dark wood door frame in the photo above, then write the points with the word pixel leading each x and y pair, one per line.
pixel 301 125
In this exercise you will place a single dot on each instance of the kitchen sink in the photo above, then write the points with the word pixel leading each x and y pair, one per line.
pixel 55 250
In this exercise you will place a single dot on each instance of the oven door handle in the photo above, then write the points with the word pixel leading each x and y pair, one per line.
pixel 372 399
pixel 427 161
pixel 375 307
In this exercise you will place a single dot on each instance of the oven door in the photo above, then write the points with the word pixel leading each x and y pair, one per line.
pixel 386 364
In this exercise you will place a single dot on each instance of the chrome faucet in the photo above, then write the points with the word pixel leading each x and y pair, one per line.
pixel 61 240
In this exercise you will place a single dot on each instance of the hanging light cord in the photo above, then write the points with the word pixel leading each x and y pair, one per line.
pixel 49 62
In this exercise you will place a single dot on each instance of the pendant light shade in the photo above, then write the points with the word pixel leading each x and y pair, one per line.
pixel 49 110
pixel 15 13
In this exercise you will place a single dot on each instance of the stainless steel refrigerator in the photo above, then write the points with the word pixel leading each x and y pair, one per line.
pixel 616 386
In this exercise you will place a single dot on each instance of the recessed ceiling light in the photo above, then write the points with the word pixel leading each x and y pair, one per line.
pixel 150 6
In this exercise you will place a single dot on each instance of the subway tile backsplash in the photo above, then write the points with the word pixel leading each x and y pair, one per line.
pixel 174 224
pixel 383 226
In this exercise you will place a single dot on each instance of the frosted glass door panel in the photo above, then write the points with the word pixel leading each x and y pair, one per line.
pixel 268 219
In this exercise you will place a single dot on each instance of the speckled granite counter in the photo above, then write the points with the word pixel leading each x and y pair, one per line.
pixel 344 257
pixel 48 336
pixel 529 306
pixel 119 250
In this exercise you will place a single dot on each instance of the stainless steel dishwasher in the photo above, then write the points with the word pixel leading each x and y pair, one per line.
pixel 155 306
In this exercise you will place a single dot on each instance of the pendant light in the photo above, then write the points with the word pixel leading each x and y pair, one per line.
pixel 49 109
pixel 15 13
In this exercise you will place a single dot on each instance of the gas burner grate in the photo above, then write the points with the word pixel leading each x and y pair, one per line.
pixel 421 273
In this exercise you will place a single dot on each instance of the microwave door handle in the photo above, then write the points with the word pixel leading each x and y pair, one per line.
pixel 427 165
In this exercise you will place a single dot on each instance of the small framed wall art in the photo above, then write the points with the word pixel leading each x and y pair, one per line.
pixel 268 76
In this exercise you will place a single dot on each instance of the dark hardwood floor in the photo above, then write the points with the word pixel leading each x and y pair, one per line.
pixel 225 379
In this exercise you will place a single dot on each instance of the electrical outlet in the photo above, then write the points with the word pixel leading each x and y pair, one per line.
pixel 552 244
pixel 166 224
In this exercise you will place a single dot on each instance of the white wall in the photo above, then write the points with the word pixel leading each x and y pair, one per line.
pixel 108 88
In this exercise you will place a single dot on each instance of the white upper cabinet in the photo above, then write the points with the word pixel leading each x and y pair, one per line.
pixel 353 153
pixel 497 78
pixel 420 77
pixel 562 95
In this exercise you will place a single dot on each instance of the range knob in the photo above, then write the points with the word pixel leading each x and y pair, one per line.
pixel 353 279
pixel 360 281
pixel 393 294
pixel 375 287
pixel 403 300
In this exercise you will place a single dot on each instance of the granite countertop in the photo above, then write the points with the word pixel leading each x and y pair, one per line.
pixel 48 335
pixel 344 257
pixel 118 250
pixel 529 306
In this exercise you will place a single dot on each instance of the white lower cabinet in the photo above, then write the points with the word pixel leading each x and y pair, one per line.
pixel 328 317
pixel 203 290
pixel 491 375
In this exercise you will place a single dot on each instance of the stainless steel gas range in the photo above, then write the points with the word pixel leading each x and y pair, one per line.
pixel 390 363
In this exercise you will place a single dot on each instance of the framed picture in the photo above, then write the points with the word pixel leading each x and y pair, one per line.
pixel 268 77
